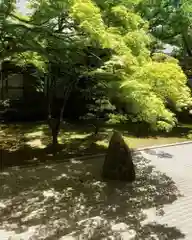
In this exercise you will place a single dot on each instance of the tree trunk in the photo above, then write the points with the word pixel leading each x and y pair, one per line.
pixel 56 104
pixel 55 118
pixel 54 124
pixel 97 127
pixel 56 110
pixel 54 138
pixel 187 43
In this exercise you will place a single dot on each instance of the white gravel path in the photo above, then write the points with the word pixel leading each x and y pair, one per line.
pixel 176 162
pixel 69 201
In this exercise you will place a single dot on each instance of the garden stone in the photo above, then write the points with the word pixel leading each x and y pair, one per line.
pixel 118 164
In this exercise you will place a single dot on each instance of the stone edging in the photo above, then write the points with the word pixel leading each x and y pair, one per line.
pixel 136 150
pixel 91 156
pixel 165 145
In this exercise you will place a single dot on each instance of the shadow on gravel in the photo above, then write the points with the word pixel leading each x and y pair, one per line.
pixel 70 199
pixel 158 153
pixel 26 155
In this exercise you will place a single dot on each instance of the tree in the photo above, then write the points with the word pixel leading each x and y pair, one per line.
pixel 42 39
pixel 62 30
pixel 147 85
pixel 170 22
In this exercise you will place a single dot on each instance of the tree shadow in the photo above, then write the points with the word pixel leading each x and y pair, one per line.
pixel 181 130
pixel 28 155
pixel 159 154
pixel 71 199
pixel 26 144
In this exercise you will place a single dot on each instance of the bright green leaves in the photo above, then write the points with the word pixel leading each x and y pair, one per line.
pixel 61 30
pixel 29 57
pixel 146 84
pixel 155 86
pixel 126 19
pixel 167 81
pixel 138 41
pixel 146 105
pixel 90 20
pixel 88 15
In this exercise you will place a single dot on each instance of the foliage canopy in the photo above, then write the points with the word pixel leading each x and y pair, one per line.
pixel 59 31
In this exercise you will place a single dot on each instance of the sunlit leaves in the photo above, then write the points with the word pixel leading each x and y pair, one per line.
pixel 30 57
pixel 59 31
pixel 129 20
pixel 149 84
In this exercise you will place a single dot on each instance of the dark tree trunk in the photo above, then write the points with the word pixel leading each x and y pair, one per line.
pixel 55 115
pixel 187 44
pixel 54 137
pixel 54 124
pixel 2 84
pixel 97 127
pixel 54 119
pixel 56 102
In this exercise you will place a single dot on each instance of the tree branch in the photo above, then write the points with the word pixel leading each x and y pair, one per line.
pixel 30 22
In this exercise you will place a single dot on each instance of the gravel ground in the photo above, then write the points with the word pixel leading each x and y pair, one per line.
pixel 69 201
pixel 176 162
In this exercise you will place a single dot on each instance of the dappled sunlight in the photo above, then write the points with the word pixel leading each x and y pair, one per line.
pixel 30 143
pixel 13 137
pixel 71 200
pixel 36 143
pixel 34 134
pixel 74 135
pixel 103 143
pixel 152 141
pixel 68 137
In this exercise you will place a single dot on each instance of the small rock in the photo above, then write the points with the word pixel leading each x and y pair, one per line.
pixel 118 163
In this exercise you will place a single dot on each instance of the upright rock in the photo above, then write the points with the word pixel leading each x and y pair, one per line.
pixel 118 163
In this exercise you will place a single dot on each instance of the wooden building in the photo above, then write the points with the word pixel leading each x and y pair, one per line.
pixel 16 82
pixel 11 81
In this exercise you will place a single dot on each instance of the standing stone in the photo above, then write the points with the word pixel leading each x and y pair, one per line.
pixel 118 163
